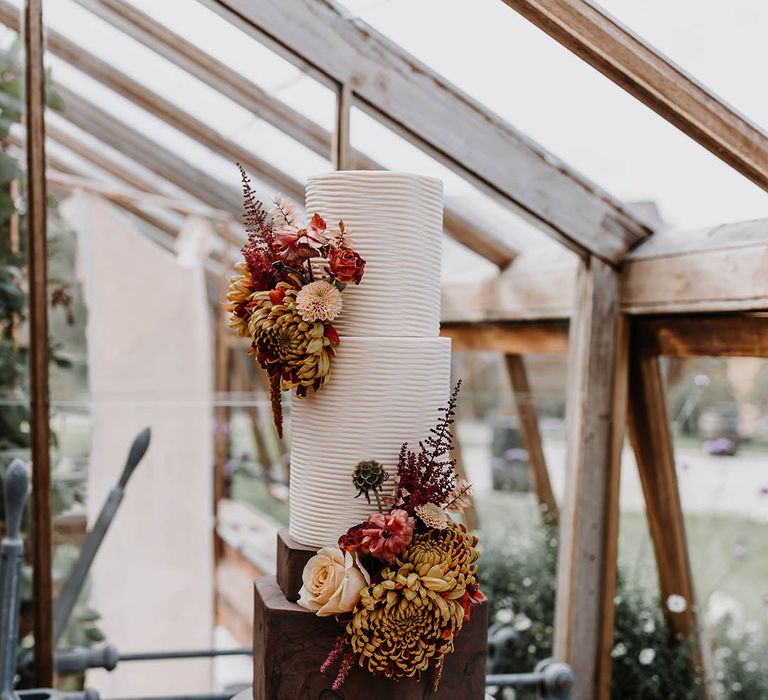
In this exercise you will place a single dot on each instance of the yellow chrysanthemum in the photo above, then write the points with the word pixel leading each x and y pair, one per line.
pixel 406 623
pixel 238 298
pixel 282 340
pixel 401 626
pixel 448 555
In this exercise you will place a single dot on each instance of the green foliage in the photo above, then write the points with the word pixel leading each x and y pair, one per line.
pixel 741 661
pixel 647 662
pixel 518 576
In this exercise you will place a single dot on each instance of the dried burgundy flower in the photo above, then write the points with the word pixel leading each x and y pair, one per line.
pixel 298 245
pixel 259 252
pixel 352 539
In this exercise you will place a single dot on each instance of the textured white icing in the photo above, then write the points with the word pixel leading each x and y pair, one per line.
pixel 395 221
pixel 383 392
pixel 391 372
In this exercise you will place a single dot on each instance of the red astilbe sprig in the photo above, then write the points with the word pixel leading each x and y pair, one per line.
pixel 341 650
pixel 276 401
pixel 259 252
pixel 429 476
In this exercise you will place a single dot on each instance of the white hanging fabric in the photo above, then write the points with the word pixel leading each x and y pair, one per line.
pixel 149 364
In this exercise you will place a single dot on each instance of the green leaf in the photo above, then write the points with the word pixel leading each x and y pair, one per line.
pixel 93 634
pixel 54 100
pixel 7 207
pixel 9 169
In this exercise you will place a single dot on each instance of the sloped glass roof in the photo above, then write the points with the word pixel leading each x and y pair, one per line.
pixel 541 88
pixel 720 45
pixel 491 53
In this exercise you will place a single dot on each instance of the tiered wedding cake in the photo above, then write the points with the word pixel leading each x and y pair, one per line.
pixel 392 371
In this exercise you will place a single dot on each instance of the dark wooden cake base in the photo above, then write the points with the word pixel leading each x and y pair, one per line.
pixel 290 644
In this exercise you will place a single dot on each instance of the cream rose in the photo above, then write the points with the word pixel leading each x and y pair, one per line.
pixel 332 582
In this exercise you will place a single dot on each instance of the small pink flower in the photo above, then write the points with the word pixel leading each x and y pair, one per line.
pixel 296 245
pixel 385 535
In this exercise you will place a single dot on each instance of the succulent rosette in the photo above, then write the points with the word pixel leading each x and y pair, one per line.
pixel 282 301
pixel 421 565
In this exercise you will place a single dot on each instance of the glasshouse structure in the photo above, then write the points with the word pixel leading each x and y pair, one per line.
pixel 125 209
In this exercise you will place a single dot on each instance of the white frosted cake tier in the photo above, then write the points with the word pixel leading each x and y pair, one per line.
pixel 383 392
pixel 395 221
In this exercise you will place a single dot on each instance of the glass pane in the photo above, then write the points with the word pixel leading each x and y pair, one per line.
pixel 147 227
pixel 688 34
pixel 720 416
pixel 519 559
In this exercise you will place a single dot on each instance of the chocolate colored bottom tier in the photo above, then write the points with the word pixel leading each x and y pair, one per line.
pixel 290 644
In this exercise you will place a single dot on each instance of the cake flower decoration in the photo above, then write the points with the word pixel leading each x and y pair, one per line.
pixel 332 581
pixel 369 476
pixel 287 291
pixel 421 565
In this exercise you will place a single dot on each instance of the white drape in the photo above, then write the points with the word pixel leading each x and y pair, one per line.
pixel 149 364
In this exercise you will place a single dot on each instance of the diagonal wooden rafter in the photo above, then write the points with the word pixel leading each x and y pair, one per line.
pixel 593 35
pixel 415 101
pixel 130 207
pixel 146 152
pixel 528 425
pixel 101 159
pixel 456 224
pixel 161 108
pixel 108 164
pixel 130 201
pixel 175 48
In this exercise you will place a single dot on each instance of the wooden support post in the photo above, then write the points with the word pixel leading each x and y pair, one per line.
pixel 651 439
pixel 529 432
pixel 595 419
pixel 342 149
pixel 37 226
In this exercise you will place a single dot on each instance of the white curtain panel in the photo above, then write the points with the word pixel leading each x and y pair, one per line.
pixel 149 364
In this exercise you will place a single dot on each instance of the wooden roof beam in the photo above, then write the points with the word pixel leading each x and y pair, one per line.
pixel 675 272
pixel 250 96
pixel 161 108
pixel 426 109
pixel 147 153
pixel 630 62
pixel 109 165
pixel 57 166
pixel 100 159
